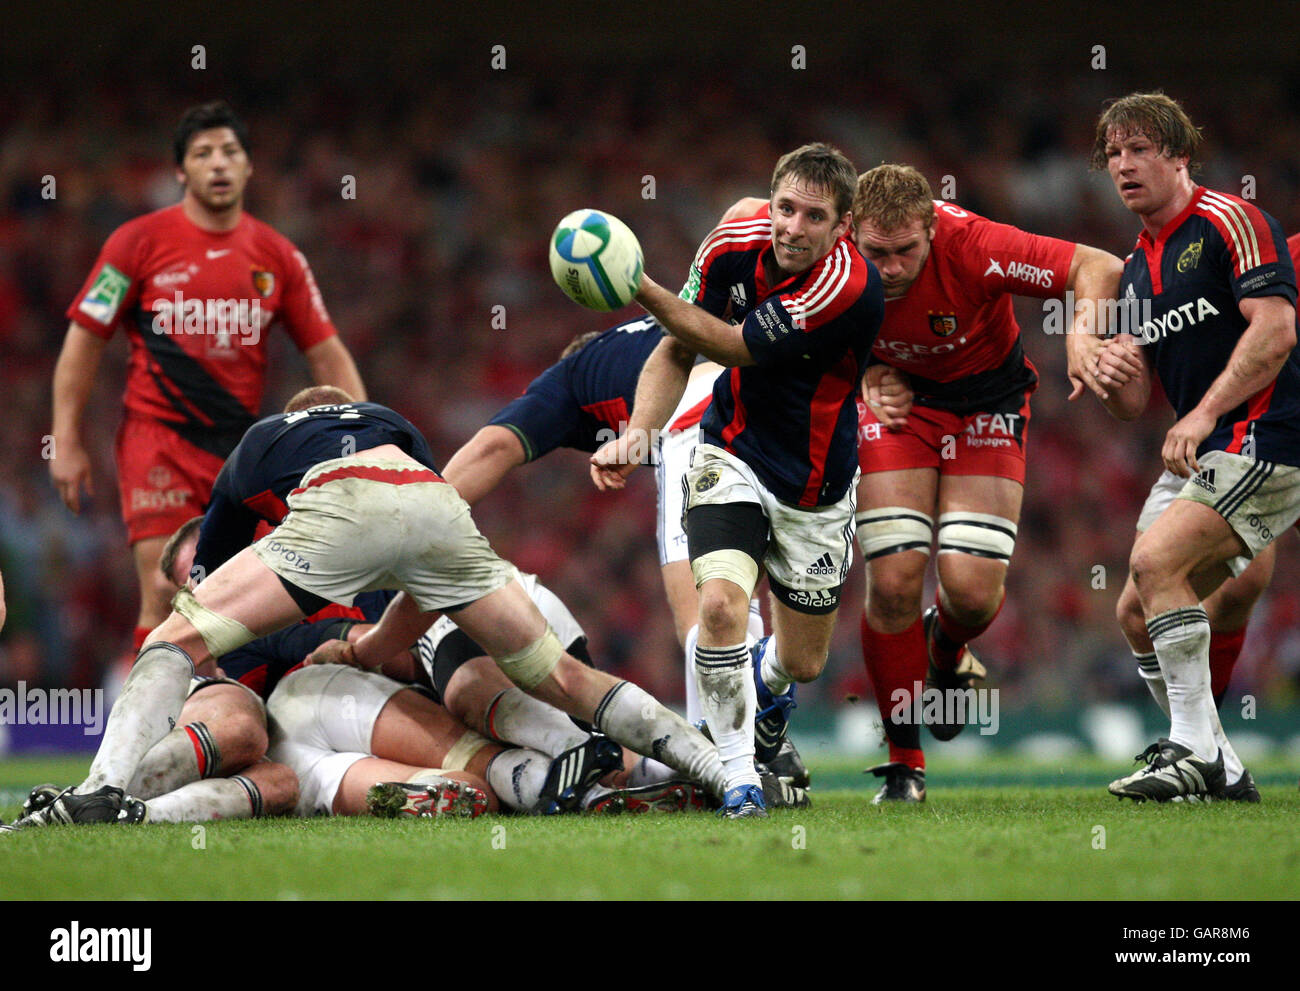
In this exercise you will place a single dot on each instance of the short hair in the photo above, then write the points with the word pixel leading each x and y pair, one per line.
pixel 821 166
pixel 171 550
pixel 204 117
pixel 892 196
pixel 1155 116
pixel 579 342
pixel 317 395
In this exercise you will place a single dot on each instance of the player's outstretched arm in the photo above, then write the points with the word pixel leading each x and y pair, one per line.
pixel 659 389
pixel 1259 355
pixel 1094 279
pixel 330 363
pixel 694 326
pixel 479 465
pixel 74 377
pixel 399 627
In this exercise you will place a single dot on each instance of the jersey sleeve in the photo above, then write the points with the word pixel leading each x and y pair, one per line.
pixel 1005 259
pixel 228 525
pixel 303 308
pixel 708 284
pixel 1257 255
pixel 111 287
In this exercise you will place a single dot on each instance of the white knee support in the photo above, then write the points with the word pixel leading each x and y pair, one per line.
pixel 733 565
pixel 220 634
pixel 529 667
pixel 893 529
pixel 979 534
pixel 463 751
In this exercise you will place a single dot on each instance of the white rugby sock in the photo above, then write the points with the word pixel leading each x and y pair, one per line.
pixel 144 713
pixel 516 717
pixel 631 716
pixel 174 761
pixel 517 777
pixel 1232 765
pixel 729 700
pixel 775 677
pixel 204 801
pixel 1149 669
pixel 1182 641
pixel 755 627
pixel 648 771
pixel 693 711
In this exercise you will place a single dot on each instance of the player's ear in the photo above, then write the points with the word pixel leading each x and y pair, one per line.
pixel 845 225
pixel 180 176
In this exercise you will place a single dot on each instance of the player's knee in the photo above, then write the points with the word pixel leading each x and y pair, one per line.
pixel 241 737
pixel 722 612
pixel 972 603
pixel 279 787
pixel 894 595
pixel 804 664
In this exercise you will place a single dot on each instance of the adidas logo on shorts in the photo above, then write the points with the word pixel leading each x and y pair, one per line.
pixel 823 566
pixel 1205 479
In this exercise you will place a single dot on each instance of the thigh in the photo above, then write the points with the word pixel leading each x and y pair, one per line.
pixel 803 639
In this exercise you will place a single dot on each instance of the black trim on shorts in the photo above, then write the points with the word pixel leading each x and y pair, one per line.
pixel 734 526
pixel 308 602
pixel 812 602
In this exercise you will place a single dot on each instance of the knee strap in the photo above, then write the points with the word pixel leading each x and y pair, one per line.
pixel 463 751
pixel 733 565
pixel 980 534
pixel 220 634
pixel 529 667
pixel 893 529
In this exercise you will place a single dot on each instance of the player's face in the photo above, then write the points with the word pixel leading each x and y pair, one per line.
pixel 899 254
pixel 215 169
pixel 183 563
pixel 1146 179
pixel 805 225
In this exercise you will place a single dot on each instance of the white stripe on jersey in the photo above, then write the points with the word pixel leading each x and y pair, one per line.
pixel 737 232
pixel 825 288
pixel 1238 223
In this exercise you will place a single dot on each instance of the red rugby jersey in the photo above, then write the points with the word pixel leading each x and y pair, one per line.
pixel 196 306
pixel 956 320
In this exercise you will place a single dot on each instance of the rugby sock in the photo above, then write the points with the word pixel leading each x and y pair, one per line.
pixel 1182 640
pixel 186 754
pixel 631 716
pixel 775 677
pixel 144 713
pixel 1225 648
pixel 203 801
pixel 1149 669
pixel 693 711
pixel 1232 765
pixel 648 771
pixel 950 637
pixel 755 627
pixel 517 776
pixel 139 636
pixel 518 718
pixel 896 663
pixel 729 699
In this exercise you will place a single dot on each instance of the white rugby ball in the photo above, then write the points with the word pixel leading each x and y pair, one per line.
pixel 596 260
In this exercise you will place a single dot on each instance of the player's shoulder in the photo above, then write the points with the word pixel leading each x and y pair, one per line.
pixel 1231 215
pixel 263 233
pixel 1293 246
pixel 149 226
pixel 736 237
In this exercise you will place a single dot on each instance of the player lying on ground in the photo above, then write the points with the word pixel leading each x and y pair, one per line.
pixel 1212 290
pixel 379 516
pixel 771 483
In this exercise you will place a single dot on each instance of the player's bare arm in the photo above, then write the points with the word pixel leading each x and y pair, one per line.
pixel 1126 377
pixel 659 389
pixel 1094 279
pixel 888 392
pixel 694 326
pixel 1258 357
pixel 330 363
pixel 74 378
pixel 399 627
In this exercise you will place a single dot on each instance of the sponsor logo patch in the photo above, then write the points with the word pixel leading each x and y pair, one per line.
pixel 106 294
pixel 706 481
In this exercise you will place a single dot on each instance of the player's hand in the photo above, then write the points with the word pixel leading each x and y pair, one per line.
pixel 888 393
pixel 1119 361
pixel 1082 352
pixel 1184 437
pixel 70 472
pixel 612 463
pixel 336 652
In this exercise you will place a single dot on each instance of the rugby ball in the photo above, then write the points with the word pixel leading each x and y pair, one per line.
pixel 596 260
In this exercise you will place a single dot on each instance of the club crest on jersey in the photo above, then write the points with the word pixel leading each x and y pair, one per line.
pixel 707 481
pixel 943 324
pixel 1191 256
pixel 264 283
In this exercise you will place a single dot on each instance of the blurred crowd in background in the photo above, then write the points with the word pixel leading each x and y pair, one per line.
pixel 436 275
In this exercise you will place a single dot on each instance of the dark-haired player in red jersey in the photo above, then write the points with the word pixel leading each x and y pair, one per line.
pixel 196 287
pixel 771 484
pixel 957 456
pixel 1209 295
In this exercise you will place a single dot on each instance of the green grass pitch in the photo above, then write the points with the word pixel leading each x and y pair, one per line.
pixel 1002 829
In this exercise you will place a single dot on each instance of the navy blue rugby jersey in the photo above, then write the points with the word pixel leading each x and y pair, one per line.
pixel 792 415
pixel 276 452
pixel 1182 289
pixel 583 400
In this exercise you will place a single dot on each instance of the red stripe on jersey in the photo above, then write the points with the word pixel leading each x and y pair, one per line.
pixel 267 505
pixel 611 411
pixel 372 473
pixel 692 416
pixel 336 611
pixel 726 236
pixel 737 424
pixel 198 751
pixel 1242 226
pixel 824 411
pixel 1257 408
pixel 836 283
